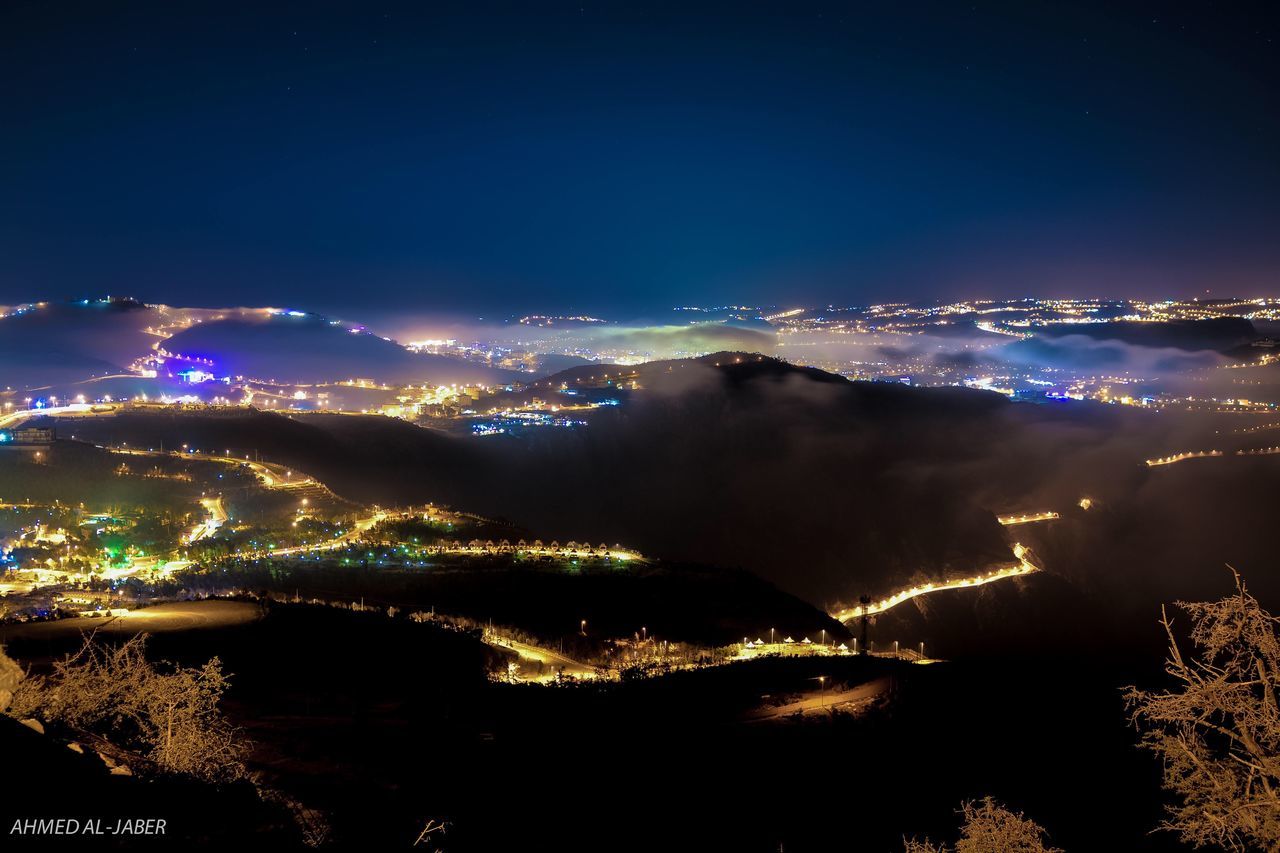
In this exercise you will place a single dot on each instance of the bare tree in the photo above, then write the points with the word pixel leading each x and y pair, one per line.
pixel 990 827
pixel 10 675
pixel 171 713
pixel 915 845
pixel 1218 730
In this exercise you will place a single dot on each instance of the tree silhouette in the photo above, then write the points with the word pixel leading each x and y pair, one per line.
pixel 990 827
pixel 1218 730
pixel 10 675
pixel 169 713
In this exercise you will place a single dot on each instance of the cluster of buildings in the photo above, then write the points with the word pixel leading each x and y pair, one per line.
pixel 26 438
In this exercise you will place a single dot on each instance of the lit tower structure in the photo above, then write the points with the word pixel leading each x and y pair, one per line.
pixel 865 601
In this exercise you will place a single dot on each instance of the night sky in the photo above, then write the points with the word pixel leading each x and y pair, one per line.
pixel 630 156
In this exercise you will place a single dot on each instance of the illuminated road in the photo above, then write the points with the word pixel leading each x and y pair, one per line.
pixel 1182 457
pixel 217 518
pixel 1259 428
pixel 844 700
pixel 540 655
pixel 619 554
pixel 1261 451
pixel 1208 454
pixel 270 474
pixel 355 532
pixel 1024 567
pixel 12 419
pixel 466 549
pixel 1027 518
pixel 177 616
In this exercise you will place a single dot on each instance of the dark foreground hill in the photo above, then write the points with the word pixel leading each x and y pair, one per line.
pixel 371 459
pixel 384 724
pixel 60 782
pixel 683 604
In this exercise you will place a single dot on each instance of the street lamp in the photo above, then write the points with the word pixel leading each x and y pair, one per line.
pixel 583 627
pixel 822 691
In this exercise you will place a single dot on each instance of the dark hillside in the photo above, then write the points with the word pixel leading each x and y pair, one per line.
pixel 312 349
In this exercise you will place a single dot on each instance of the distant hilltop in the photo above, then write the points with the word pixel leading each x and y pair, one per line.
pixel 58 343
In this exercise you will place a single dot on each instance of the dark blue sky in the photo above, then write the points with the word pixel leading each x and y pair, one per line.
pixel 618 157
